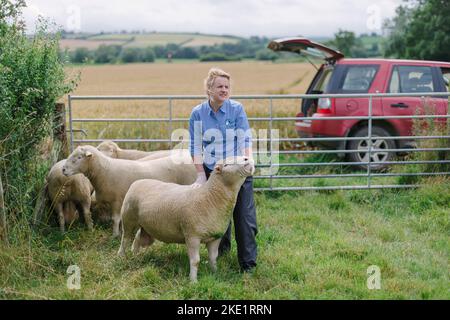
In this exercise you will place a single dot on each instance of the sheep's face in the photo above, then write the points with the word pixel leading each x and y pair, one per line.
pixel 77 162
pixel 109 149
pixel 235 169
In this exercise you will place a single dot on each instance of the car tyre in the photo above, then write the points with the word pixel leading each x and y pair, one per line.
pixel 378 158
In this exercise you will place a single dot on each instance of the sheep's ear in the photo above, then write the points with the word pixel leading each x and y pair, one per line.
pixel 218 168
pixel 88 154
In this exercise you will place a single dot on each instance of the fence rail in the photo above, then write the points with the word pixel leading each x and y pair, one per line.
pixel 272 154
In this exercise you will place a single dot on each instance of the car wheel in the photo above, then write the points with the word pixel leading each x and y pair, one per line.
pixel 378 156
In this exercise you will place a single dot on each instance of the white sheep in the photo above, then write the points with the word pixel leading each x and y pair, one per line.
pixel 112 150
pixel 67 192
pixel 112 178
pixel 182 214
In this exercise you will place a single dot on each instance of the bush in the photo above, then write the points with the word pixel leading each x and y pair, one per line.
pixel 107 54
pixel 186 53
pixel 148 55
pixel 32 79
pixel 216 56
pixel 428 127
pixel 81 55
pixel 265 55
pixel 129 55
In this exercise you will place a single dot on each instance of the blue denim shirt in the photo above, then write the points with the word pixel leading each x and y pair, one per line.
pixel 220 134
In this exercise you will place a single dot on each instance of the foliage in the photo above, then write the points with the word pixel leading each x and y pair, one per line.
pixel 420 31
pixel 266 54
pixel 217 56
pixel 107 54
pixel 350 45
pixel 252 48
pixel 32 79
pixel 186 53
pixel 81 55
pixel 131 55
pixel 10 16
pixel 148 55
pixel 344 41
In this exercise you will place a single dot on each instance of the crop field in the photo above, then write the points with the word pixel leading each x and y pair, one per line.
pixel 145 40
pixel 180 79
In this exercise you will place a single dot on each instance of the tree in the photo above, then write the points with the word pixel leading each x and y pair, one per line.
pixel 186 53
pixel 395 44
pixel 344 41
pixel 10 14
pixel 266 54
pixel 420 31
pixel 107 54
pixel 130 55
pixel 81 55
pixel 148 55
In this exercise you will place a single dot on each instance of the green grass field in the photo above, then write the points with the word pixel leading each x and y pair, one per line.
pixel 312 245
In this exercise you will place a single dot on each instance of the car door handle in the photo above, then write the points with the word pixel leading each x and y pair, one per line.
pixel 399 105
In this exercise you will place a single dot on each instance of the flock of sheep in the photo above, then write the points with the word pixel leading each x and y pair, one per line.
pixel 150 194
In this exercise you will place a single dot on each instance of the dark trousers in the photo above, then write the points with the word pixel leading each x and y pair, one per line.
pixel 245 227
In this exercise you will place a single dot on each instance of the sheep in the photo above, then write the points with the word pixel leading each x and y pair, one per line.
pixel 112 178
pixel 67 192
pixel 182 214
pixel 112 150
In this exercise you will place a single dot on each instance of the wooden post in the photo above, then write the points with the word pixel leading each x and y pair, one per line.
pixel 40 207
pixel 3 234
pixel 60 145
pixel 59 133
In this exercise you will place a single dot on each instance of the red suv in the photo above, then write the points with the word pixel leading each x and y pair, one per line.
pixel 338 75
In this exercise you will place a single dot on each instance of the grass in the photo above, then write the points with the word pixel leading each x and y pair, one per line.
pixel 311 246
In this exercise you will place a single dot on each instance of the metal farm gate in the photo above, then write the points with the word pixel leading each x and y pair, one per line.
pixel 293 166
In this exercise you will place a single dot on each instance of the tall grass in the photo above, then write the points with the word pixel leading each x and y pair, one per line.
pixel 311 245
pixel 428 127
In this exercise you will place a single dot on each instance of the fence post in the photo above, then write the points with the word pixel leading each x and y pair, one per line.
pixel 59 132
pixel 369 147
pixel 61 146
pixel 70 122
pixel 3 235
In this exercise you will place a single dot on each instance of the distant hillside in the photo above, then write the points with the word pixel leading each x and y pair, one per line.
pixel 142 40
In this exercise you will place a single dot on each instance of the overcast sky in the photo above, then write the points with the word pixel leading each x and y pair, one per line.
pixel 270 18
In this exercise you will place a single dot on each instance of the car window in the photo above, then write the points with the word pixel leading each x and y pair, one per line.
pixel 410 79
pixel 358 78
pixel 322 83
pixel 394 85
pixel 446 76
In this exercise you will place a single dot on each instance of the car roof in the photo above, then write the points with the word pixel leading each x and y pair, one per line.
pixel 393 61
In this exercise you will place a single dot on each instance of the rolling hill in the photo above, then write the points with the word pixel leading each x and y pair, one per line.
pixel 141 40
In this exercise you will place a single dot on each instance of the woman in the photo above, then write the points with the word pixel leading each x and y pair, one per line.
pixel 218 129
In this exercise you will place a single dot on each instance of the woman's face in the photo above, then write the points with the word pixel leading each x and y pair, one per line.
pixel 220 90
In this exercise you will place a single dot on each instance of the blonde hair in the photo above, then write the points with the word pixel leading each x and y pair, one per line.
pixel 214 73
